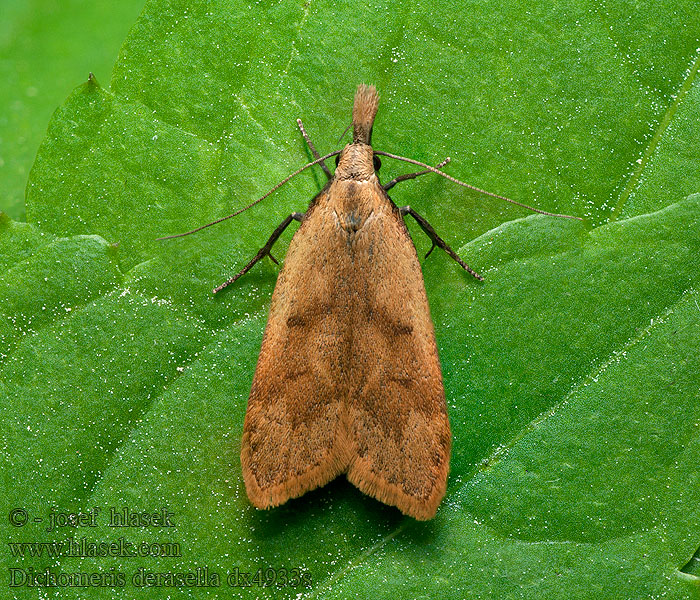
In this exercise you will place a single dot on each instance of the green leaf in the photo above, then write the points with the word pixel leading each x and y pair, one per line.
pixel 571 373
pixel 45 47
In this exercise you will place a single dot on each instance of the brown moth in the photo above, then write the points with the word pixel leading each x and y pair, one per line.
pixel 348 379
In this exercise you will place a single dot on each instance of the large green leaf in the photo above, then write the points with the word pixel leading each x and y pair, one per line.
pixel 571 372
pixel 45 48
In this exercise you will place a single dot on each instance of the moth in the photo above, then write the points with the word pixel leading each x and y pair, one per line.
pixel 348 380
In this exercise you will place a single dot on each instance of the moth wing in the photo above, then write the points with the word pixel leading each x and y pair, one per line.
pixel 348 379
pixel 292 439
pixel 396 411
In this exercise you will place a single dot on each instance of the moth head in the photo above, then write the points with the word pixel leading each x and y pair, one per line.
pixel 356 161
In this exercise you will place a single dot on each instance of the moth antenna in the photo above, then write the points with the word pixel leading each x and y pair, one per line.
pixel 342 135
pixel 238 212
pixel 472 187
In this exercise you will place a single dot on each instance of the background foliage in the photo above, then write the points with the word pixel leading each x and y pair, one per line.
pixel 46 48
pixel 571 372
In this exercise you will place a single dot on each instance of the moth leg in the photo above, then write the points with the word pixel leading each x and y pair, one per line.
pixel 437 240
pixel 313 149
pixel 264 251
pixel 396 180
